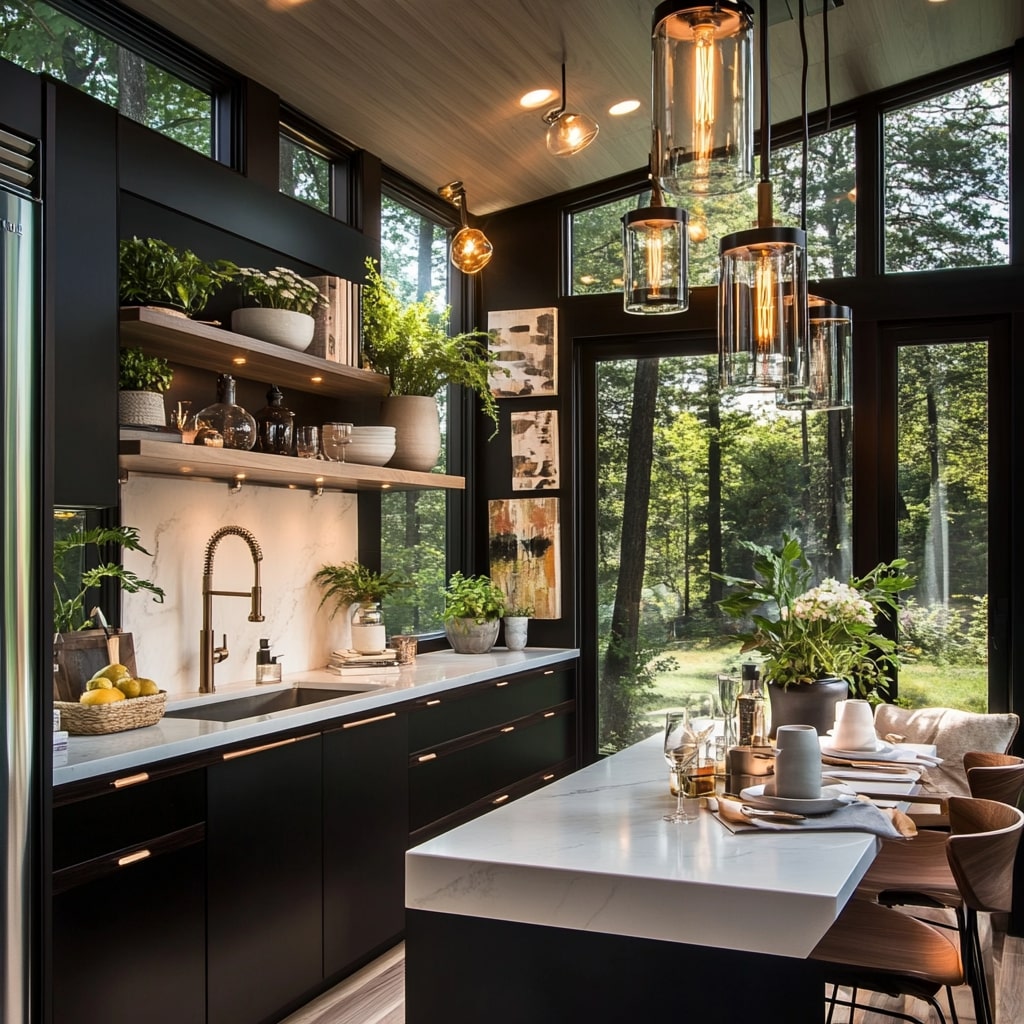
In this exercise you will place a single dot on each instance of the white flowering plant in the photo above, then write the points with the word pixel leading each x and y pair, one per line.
pixel 817 632
pixel 279 288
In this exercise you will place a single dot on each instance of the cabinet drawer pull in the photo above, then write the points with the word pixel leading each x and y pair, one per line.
pixel 504 682
pixel 431 703
pixel 367 721
pixel 426 757
pixel 549 714
pixel 132 858
pixel 500 799
pixel 548 777
pixel 131 780
pixel 231 755
pixel 509 728
pixel 549 672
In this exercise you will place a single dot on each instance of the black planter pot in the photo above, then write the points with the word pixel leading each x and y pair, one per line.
pixel 806 703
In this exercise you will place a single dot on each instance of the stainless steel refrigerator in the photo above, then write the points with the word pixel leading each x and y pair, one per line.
pixel 20 464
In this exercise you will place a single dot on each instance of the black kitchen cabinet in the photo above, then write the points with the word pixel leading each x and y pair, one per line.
pixel 264 880
pixel 129 903
pixel 476 748
pixel 366 829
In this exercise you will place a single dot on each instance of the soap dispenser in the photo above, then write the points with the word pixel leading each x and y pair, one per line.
pixel 268 668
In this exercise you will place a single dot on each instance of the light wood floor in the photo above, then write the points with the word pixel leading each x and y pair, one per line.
pixel 376 994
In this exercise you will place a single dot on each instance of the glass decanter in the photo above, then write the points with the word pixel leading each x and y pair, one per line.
pixel 226 417
pixel 275 425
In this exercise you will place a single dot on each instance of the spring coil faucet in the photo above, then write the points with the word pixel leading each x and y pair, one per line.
pixel 209 655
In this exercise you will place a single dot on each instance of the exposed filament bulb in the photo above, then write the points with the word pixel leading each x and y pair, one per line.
pixel 703 97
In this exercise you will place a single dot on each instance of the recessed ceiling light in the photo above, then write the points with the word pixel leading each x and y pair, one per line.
pixel 624 107
pixel 537 97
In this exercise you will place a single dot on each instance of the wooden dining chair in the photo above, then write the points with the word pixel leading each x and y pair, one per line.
pixel 993 776
pixel 982 846
pixel 874 947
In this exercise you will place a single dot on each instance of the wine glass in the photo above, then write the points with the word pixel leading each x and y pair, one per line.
pixel 334 437
pixel 681 747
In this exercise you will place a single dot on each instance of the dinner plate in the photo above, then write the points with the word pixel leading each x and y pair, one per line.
pixel 831 799
pixel 883 752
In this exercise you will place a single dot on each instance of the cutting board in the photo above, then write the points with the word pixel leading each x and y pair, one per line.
pixel 79 656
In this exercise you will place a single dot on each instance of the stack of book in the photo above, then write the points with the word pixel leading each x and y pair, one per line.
pixel 349 663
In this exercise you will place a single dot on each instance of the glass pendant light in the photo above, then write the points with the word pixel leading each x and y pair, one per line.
pixel 829 360
pixel 655 250
pixel 762 285
pixel 470 250
pixel 703 87
pixel 568 133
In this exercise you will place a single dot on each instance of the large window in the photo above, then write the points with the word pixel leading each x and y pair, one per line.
pixel 42 39
pixel 683 474
pixel 413 523
pixel 947 180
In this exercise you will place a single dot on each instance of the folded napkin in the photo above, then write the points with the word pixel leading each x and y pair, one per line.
pixel 856 816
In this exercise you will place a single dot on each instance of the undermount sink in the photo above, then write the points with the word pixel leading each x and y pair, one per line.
pixel 232 709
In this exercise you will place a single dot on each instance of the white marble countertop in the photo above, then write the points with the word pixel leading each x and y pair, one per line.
pixel 92 756
pixel 590 852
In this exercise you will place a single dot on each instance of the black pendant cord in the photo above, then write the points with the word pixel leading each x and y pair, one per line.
pixel 828 71
pixel 803 117
pixel 766 116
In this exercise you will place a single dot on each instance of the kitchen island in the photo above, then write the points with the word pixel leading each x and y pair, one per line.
pixel 578 902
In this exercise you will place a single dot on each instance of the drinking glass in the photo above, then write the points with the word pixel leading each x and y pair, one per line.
pixel 681 747
pixel 307 442
pixel 334 437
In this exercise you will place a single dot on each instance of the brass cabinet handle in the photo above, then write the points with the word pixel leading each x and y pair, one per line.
pixel 548 777
pixel 132 858
pixel 504 682
pixel 130 780
pixel 367 721
pixel 431 703
pixel 232 755
pixel 509 728
pixel 426 757
pixel 549 672
pixel 500 799
pixel 549 714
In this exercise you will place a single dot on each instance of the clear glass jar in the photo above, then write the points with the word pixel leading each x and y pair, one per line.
pixel 227 418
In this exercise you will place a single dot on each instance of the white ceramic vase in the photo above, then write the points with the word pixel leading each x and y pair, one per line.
pixel 417 431
pixel 516 627
pixel 283 327
pixel 797 763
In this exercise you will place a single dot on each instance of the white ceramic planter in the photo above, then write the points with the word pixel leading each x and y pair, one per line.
pixel 282 327
pixel 368 639
pixel 417 431
pixel 516 627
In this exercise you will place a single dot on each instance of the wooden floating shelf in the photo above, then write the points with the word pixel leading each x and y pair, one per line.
pixel 165 458
pixel 214 348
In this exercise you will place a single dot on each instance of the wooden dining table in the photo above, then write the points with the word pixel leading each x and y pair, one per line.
pixel 579 901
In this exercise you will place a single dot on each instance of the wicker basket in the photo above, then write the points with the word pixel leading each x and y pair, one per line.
pixel 99 719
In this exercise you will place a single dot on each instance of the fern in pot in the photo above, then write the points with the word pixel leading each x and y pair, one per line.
pixel 473 607
pixel 353 586
pixel 142 381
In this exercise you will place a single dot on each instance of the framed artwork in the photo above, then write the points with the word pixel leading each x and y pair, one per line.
pixel 535 450
pixel 524 342
pixel 524 552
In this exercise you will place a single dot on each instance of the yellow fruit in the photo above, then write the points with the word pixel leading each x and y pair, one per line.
pixel 99 683
pixel 101 696
pixel 115 673
pixel 147 688
pixel 129 687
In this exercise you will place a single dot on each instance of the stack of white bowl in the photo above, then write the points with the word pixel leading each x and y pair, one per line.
pixel 371 446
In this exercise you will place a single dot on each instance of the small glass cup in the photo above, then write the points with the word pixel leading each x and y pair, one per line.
pixel 307 442
pixel 335 436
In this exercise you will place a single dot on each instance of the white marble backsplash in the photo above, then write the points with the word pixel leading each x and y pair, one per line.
pixel 297 534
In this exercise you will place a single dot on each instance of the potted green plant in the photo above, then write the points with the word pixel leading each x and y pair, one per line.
pixel 154 273
pixel 410 344
pixel 473 607
pixel 142 381
pixel 819 644
pixel 71 583
pixel 516 622
pixel 352 585
pixel 278 306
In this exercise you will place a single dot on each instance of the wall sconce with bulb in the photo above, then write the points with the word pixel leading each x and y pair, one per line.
pixel 568 133
pixel 470 250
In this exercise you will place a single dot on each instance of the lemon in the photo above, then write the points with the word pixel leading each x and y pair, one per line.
pixel 129 687
pixel 101 696
pixel 147 688
pixel 99 683
pixel 115 673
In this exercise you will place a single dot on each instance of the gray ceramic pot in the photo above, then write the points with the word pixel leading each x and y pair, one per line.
pixel 467 636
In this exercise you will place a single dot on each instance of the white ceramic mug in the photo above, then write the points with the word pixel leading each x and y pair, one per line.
pixel 797 763
pixel 855 727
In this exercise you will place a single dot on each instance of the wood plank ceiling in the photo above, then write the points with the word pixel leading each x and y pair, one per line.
pixel 432 86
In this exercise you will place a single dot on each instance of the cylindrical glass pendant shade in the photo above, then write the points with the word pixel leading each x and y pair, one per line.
pixel 471 250
pixel 762 309
pixel 703 89
pixel 829 359
pixel 655 248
